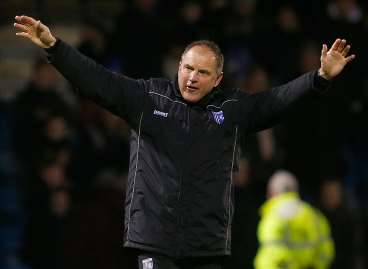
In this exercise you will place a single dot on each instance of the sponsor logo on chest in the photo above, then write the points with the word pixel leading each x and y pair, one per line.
pixel 160 113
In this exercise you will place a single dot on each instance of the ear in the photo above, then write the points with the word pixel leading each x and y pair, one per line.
pixel 179 67
pixel 218 79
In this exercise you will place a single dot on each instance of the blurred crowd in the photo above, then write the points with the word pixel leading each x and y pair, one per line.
pixel 63 163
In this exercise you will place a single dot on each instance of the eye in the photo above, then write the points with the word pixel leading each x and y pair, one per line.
pixel 204 72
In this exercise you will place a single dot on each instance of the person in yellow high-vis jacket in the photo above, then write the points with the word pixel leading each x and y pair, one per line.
pixel 291 233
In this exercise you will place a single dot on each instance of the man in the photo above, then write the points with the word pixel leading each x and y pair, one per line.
pixel 184 139
pixel 291 233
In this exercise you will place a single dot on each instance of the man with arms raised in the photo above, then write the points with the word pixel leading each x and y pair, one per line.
pixel 179 203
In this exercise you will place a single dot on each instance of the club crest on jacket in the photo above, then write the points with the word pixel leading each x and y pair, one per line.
pixel 218 117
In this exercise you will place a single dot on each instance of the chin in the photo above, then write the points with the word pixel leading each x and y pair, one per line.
pixel 191 98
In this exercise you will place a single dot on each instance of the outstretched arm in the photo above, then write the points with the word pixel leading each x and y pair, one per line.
pixel 265 109
pixel 121 95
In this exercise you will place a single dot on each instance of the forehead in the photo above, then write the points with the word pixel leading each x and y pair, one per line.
pixel 200 57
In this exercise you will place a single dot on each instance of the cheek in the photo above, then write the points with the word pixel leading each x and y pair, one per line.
pixel 208 84
pixel 182 77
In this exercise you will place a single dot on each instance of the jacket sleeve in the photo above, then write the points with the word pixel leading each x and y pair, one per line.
pixel 119 94
pixel 265 109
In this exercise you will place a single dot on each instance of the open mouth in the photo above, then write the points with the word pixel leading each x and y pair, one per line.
pixel 191 88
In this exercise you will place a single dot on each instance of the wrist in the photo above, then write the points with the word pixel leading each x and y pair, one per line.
pixel 52 43
pixel 322 74
pixel 53 46
pixel 321 84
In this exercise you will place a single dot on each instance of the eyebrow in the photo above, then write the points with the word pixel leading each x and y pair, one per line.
pixel 203 71
pixel 188 65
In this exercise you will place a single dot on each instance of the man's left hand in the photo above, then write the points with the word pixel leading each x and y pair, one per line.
pixel 334 60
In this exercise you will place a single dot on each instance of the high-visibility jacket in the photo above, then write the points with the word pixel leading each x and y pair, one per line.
pixel 325 250
pixel 293 235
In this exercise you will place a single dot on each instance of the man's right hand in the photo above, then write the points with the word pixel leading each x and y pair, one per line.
pixel 34 30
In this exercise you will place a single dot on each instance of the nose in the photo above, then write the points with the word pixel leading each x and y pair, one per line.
pixel 193 77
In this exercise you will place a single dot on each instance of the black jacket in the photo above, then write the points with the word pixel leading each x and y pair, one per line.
pixel 179 198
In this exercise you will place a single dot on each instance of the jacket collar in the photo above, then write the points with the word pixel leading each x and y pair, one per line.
pixel 275 201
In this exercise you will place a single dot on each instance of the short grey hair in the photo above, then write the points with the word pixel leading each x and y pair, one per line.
pixel 283 181
pixel 213 47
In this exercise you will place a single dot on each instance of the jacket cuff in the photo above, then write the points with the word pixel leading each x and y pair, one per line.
pixel 50 51
pixel 321 84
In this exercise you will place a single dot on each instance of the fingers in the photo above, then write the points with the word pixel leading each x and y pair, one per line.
pixel 339 45
pixel 345 50
pixel 324 50
pixel 336 44
pixel 21 27
pixel 25 20
pixel 342 45
pixel 24 30
pixel 23 34
pixel 27 24
pixel 350 58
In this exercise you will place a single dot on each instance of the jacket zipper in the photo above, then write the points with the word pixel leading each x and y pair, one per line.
pixel 180 194
pixel 182 169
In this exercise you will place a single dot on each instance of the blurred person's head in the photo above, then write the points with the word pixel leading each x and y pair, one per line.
pixel 53 175
pixel 245 7
pixel 56 142
pixel 346 6
pixel 257 80
pixel 281 182
pixel 239 61
pixel 200 70
pixel 217 4
pixel 288 19
pixel 171 59
pixel 331 194
pixel 147 6
pixel 60 202
pixel 241 177
pixel 347 10
pixel 191 12
pixel 93 36
pixel 57 129
pixel 114 125
pixel 309 57
pixel 43 75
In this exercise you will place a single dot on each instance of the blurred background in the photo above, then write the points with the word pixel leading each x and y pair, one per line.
pixel 63 161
